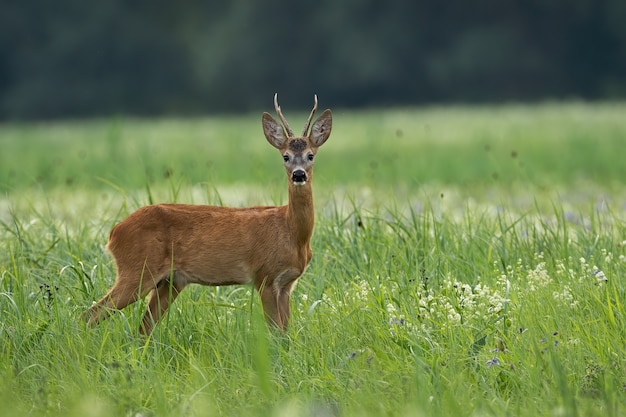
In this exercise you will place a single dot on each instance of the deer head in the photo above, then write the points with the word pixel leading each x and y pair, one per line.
pixel 298 151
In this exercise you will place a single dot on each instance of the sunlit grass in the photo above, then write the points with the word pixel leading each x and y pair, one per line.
pixel 434 290
pixel 479 147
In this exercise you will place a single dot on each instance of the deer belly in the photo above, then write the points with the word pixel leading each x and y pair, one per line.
pixel 224 274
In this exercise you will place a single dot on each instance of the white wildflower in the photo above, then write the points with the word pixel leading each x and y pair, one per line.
pixel 565 297
pixel 496 303
pixel 453 316
pixel 360 290
pixel 538 277
pixel 503 280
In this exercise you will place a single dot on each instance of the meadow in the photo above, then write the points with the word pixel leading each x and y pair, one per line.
pixel 468 261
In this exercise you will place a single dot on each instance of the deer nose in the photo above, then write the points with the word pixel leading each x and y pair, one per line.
pixel 298 176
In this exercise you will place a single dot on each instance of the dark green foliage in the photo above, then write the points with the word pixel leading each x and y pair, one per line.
pixel 75 59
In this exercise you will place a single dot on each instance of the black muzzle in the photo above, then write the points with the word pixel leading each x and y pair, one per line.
pixel 298 176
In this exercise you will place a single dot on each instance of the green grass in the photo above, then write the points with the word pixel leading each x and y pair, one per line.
pixel 487 146
pixel 467 262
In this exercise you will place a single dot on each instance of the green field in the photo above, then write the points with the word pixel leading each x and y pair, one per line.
pixel 468 261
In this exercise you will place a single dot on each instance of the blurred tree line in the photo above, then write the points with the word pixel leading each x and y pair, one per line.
pixel 76 58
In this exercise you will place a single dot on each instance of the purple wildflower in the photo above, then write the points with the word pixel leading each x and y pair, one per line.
pixel 396 321
pixel 493 362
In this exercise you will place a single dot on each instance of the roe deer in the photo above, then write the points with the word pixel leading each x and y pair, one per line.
pixel 160 249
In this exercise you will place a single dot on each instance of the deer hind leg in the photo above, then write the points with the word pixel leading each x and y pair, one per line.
pixel 160 299
pixel 128 288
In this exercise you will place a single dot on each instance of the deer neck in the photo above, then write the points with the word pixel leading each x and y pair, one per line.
pixel 300 212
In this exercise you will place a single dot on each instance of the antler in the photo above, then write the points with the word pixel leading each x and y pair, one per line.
pixel 282 118
pixel 308 122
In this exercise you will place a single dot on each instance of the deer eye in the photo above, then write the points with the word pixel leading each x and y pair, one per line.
pixel 310 156
pixel 285 157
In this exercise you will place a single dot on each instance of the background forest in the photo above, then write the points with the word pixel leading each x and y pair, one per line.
pixel 71 58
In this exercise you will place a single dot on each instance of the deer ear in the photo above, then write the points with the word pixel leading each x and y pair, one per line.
pixel 321 128
pixel 274 133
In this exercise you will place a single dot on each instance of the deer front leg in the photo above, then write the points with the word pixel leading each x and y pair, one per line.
pixel 269 300
pixel 283 308
pixel 275 297
pixel 276 307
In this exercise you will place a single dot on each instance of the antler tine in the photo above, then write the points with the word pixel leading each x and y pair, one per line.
pixel 282 118
pixel 308 122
